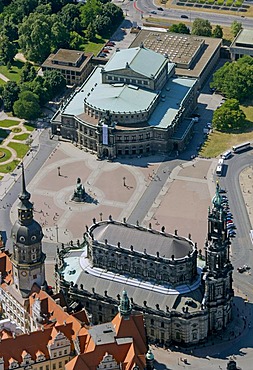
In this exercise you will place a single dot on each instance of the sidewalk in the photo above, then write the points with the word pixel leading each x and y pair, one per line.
pixel 10 178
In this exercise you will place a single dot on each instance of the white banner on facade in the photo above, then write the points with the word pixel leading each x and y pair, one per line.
pixel 105 134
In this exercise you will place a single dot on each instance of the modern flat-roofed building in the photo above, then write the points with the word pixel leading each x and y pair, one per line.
pixel 194 56
pixel 75 65
pixel 242 44
pixel 133 105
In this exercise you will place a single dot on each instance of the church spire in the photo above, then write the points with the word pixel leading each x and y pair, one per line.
pixel 25 207
pixel 24 193
pixel 125 307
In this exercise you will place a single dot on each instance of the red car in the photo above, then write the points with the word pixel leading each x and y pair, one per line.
pixel 105 51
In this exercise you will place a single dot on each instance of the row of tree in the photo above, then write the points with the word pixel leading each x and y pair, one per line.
pixel 235 80
pixel 38 27
pixel 26 98
pixel 202 27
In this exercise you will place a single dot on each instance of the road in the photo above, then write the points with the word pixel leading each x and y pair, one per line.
pixel 137 10
pixel 39 157
pixel 242 247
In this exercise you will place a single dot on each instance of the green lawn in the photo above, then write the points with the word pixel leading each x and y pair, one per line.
pixel 9 123
pixel 29 127
pixel 16 130
pixel 218 142
pixel 10 167
pixel 7 154
pixel 21 149
pixel 21 137
pixel 2 82
pixel 95 47
pixel 14 73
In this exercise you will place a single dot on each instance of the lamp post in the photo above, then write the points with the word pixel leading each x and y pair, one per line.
pixel 101 216
pixel 124 181
pixel 57 233
pixel 59 171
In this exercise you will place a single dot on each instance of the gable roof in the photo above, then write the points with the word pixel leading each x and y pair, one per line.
pixel 127 345
pixel 15 348
pixel 143 61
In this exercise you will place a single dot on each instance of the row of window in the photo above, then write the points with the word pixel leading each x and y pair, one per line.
pixel 133 138
pixel 127 80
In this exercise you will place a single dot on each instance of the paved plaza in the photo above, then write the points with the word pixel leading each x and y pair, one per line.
pixel 114 189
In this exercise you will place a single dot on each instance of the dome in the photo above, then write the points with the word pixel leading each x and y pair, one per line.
pixel 27 234
pixel 217 199
pixel 149 355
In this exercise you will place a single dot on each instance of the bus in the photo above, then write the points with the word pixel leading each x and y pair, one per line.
pixel 240 147
pixel 219 170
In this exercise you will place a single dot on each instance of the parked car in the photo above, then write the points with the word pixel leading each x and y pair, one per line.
pixel 153 12
pixel 241 269
pixel 110 43
pixel 160 8
pixel 106 51
pixel 184 16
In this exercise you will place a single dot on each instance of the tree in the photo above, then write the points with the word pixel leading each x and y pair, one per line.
pixel 70 17
pixel 235 80
pixel 217 32
pixel 236 27
pixel 89 11
pixel 27 106
pixel 28 72
pixel 10 95
pixel 201 27
pixel 7 49
pixel 229 117
pixel 54 82
pixel 60 36
pixel 76 41
pixel 35 37
pixel 179 28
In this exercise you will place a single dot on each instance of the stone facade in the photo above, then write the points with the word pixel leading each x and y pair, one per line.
pixel 127 132
pixel 200 307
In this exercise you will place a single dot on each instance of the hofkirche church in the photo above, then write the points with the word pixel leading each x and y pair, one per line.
pixel 184 294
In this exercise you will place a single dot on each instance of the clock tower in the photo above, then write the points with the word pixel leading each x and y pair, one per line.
pixel 28 260
pixel 217 274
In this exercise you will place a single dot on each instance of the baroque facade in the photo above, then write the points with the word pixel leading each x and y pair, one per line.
pixel 134 105
pixel 183 295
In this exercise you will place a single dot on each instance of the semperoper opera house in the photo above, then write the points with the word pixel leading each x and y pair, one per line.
pixel 133 105
pixel 185 294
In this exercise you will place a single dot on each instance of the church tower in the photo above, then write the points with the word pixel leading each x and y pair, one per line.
pixel 217 273
pixel 27 258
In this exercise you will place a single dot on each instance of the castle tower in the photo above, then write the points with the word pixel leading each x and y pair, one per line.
pixel 217 274
pixel 27 258
pixel 125 307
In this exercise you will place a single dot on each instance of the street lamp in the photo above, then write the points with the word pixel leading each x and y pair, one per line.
pixel 124 181
pixel 101 216
pixel 57 233
pixel 59 171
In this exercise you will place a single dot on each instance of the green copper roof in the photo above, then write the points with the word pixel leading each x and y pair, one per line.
pixel 217 199
pixel 143 61
pixel 149 355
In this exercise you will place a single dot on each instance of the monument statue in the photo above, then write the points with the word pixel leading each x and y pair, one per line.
pixel 79 192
